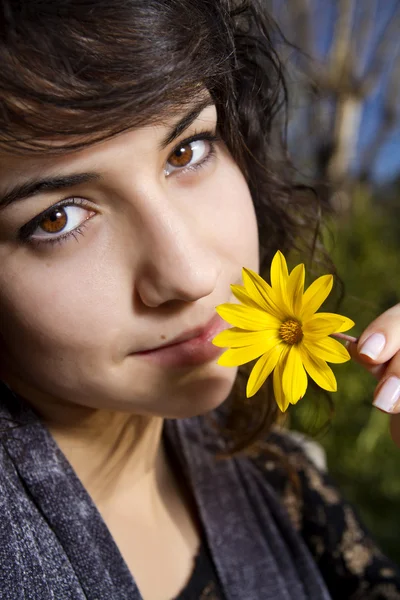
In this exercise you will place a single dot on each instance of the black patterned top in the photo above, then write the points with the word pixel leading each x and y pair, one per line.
pixel 203 583
pixel 351 564
pixel 55 544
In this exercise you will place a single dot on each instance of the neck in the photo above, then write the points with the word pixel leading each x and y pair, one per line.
pixel 114 454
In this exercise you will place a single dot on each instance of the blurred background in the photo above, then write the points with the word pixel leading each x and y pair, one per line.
pixel 344 129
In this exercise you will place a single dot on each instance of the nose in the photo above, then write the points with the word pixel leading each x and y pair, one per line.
pixel 176 263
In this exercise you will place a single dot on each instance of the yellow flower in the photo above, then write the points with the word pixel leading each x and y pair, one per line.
pixel 278 324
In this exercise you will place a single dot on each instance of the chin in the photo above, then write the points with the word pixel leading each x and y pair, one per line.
pixel 202 396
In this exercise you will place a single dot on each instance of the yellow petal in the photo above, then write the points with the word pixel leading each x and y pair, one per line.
pixel 294 381
pixel 246 317
pixel 347 324
pixel 315 295
pixel 328 349
pixel 323 324
pixel 295 287
pixel 239 291
pixel 262 369
pixel 238 338
pixel 279 270
pixel 318 370
pixel 279 278
pixel 280 398
pixel 262 293
pixel 239 356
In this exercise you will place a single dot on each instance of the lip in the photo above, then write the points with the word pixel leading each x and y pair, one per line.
pixel 191 348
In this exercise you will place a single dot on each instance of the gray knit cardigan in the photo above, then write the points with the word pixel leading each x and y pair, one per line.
pixel 55 545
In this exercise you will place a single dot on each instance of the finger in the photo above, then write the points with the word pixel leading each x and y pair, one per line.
pixel 387 393
pixel 381 339
pixel 376 370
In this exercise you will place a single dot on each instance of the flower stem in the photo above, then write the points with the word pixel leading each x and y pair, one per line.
pixel 345 337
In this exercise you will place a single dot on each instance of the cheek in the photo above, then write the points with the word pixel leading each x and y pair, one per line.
pixel 53 309
pixel 233 218
pixel 65 318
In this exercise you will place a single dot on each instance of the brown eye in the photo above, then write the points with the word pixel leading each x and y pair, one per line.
pixel 55 221
pixel 188 155
pixel 181 156
pixel 59 221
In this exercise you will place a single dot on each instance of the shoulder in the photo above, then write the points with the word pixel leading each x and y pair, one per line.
pixel 30 557
pixel 14 526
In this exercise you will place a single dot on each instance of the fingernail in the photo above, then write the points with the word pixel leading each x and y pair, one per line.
pixel 373 345
pixel 388 395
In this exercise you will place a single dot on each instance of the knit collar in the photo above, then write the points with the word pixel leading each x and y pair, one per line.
pixel 257 554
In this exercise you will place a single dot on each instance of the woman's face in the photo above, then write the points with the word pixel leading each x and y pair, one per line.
pixel 149 235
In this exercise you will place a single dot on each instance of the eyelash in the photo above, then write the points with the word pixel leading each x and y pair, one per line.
pixel 27 230
pixel 207 136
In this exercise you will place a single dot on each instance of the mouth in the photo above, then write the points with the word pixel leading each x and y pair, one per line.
pixel 190 348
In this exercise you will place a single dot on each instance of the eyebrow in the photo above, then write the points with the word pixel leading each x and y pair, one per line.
pixel 40 186
pixel 186 121
pixel 53 184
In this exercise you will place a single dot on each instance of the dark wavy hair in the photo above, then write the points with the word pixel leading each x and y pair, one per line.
pixel 78 71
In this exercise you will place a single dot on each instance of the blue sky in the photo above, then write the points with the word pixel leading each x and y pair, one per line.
pixel 388 161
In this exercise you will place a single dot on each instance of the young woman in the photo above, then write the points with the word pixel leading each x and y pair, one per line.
pixel 136 180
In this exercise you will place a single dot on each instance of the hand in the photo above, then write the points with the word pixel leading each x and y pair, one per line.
pixel 378 349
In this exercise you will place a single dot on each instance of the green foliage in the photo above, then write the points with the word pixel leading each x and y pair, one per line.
pixel 361 455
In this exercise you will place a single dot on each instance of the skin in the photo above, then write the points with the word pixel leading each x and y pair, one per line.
pixel 156 256
pixel 153 262
pixel 387 364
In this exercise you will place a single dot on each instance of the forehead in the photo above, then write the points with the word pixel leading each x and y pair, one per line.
pixel 16 169
pixel 70 144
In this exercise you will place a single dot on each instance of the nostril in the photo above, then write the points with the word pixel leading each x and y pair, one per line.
pixel 176 268
pixel 158 289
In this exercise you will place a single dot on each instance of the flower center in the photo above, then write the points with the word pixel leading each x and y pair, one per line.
pixel 291 331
